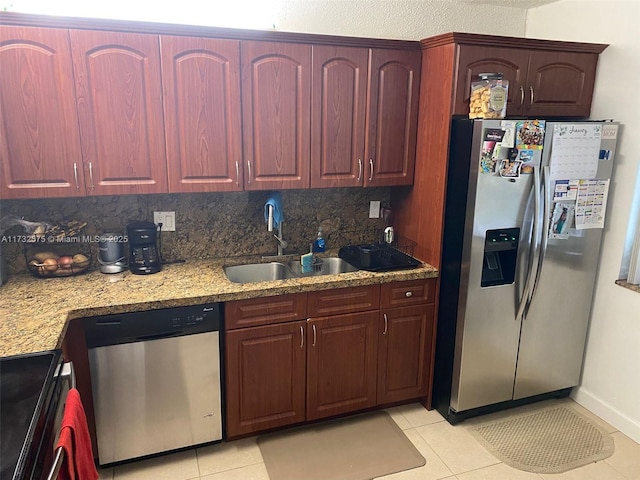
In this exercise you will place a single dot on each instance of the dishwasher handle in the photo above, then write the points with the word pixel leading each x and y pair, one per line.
pixel 158 336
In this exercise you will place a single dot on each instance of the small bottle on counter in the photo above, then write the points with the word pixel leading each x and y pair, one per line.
pixel 319 244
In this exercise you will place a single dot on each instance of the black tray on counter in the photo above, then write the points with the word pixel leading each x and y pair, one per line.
pixel 377 257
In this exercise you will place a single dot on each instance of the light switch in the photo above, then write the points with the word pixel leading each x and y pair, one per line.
pixel 168 220
pixel 374 209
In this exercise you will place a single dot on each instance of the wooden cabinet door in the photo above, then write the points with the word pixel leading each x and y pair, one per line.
pixel 265 377
pixel 276 114
pixel 476 59
pixel 341 363
pixel 560 83
pixel 404 353
pixel 119 97
pixel 201 83
pixel 392 116
pixel 39 140
pixel 338 101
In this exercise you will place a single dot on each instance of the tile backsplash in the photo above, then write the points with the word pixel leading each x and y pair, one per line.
pixel 210 225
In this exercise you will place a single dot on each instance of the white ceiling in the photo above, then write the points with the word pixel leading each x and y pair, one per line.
pixel 524 4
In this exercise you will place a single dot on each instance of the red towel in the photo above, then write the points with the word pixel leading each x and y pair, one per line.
pixel 76 442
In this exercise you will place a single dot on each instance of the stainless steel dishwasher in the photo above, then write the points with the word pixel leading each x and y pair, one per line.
pixel 155 377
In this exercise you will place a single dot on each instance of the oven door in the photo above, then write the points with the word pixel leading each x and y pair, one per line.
pixel 47 460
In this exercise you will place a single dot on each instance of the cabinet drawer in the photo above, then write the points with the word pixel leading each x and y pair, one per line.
pixel 412 292
pixel 265 311
pixel 343 300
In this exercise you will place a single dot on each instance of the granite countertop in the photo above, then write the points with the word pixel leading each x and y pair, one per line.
pixel 34 312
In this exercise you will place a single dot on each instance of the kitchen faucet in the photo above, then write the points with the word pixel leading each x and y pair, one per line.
pixel 281 243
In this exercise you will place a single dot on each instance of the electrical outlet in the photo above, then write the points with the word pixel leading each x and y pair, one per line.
pixel 374 209
pixel 168 220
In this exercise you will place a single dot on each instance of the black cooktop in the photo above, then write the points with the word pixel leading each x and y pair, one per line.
pixel 376 257
pixel 24 383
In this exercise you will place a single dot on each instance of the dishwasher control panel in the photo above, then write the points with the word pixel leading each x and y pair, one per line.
pixel 152 324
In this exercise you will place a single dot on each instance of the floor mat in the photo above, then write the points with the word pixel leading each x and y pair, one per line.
pixel 354 448
pixel 550 440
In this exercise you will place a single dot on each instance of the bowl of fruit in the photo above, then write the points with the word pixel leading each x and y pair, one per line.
pixel 51 264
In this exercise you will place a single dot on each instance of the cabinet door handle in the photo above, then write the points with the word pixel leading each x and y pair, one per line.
pixel 521 94
pixel 386 324
pixel 91 175
pixel 314 335
pixel 371 167
pixel 359 169
pixel 301 336
pixel 237 174
pixel 249 166
pixel 408 294
pixel 75 175
pixel 531 95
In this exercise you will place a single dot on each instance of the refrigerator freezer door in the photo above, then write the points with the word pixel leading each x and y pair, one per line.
pixel 555 327
pixel 487 331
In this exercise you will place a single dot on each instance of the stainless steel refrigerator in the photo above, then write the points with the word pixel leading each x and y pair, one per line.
pixel 520 252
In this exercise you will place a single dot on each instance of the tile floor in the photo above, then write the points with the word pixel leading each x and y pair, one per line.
pixel 451 453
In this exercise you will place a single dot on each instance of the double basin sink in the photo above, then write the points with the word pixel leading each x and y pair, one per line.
pixel 263 272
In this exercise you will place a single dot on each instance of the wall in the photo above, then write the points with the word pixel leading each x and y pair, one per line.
pixel 609 384
pixel 398 19
pixel 208 225
pixel 394 19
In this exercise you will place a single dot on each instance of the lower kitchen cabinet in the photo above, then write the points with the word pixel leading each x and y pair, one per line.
pixel 266 370
pixel 404 353
pixel 341 364
pixel 359 347
pixel 407 317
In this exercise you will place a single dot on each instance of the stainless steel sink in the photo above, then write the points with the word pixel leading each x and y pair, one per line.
pixel 258 272
pixel 264 272
pixel 335 265
pixel 324 266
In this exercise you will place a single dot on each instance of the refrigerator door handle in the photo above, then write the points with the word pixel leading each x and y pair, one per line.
pixel 531 274
pixel 546 182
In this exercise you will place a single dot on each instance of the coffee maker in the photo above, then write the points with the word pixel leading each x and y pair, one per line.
pixel 144 256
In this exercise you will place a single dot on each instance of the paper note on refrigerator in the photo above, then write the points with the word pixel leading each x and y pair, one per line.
pixel 565 190
pixel 575 150
pixel 562 220
pixel 591 203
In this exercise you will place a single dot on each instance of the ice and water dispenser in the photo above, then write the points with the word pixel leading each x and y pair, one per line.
pixel 500 255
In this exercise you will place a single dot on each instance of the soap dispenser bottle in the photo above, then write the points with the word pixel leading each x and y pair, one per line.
pixel 319 244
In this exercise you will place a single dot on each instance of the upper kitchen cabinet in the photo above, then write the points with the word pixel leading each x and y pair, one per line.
pixel 338 108
pixel 473 60
pixel 39 142
pixel 276 114
pixel 119 99
pixel 113 107
pixel 545 78
pixel 392 117
pixel 201 83
pixel 560 83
